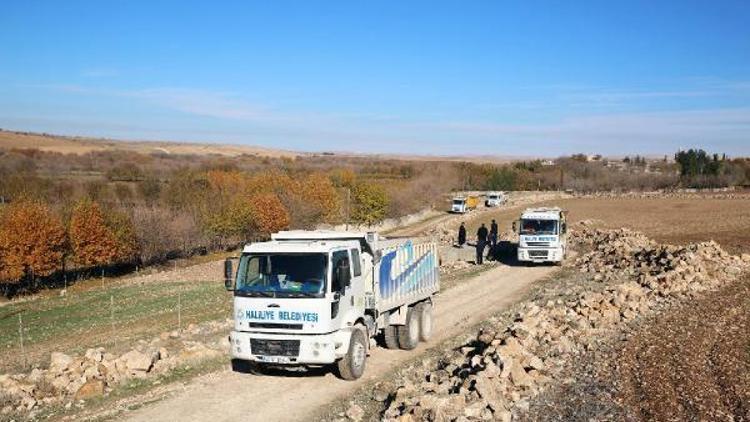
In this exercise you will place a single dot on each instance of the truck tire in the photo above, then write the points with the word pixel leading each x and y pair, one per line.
pixel 390 336
pixel 408 334
pixel 352 366
pixel 425 320
pixel 246 367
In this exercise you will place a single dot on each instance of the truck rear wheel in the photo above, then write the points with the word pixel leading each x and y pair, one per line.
pixel 408 334
pixel 425 320
pixel 390 336
pixel 352 366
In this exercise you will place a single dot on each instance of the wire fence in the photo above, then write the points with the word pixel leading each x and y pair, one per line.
pixel 109 316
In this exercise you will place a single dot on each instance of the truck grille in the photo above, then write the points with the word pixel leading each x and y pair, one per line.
pixel 537 254
pixel 266 347
pixel 538 244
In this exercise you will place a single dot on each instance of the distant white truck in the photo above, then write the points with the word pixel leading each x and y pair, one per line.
pixel 541 235
pixel 494 199
pixel 315 298
pixel 464 204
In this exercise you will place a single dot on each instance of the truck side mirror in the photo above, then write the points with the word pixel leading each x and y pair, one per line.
pixel 515 227
pixel 564 228
pixel 228 274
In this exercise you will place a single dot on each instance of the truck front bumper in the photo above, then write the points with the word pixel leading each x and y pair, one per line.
pixel 289 349
pixel 540 255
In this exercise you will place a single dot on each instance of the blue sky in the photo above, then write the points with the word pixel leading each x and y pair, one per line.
pixel 461 77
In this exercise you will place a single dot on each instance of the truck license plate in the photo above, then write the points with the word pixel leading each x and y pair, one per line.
pixel 274 359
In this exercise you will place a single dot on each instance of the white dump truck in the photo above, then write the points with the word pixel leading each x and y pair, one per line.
pixel 494 199
pixel 315 298
pixel 541 235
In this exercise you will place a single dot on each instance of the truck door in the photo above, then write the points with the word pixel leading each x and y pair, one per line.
pixel 341 287
pixel 358 281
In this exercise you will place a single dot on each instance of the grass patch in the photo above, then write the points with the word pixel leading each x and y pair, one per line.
pixel 84 319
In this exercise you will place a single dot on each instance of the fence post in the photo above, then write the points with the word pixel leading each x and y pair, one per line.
pixel 20 335
pixel 102 277
pixel 179 309
pixel 112 319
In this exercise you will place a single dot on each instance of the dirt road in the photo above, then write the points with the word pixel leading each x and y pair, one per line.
pixel 228 396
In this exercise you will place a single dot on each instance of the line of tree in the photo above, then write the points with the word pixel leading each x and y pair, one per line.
pixel 68 212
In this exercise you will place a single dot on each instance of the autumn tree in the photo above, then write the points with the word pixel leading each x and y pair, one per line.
pixel 269 214
pixel 92 241
pixel 126 242
pixel 32 241
pixel 317 190
pixel 369 203
pixel 231 222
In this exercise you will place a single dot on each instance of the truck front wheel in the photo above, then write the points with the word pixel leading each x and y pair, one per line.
pixel 247 367
pixel 352 366
pixel 408 334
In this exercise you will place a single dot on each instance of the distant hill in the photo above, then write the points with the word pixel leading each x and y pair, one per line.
pixel 82 145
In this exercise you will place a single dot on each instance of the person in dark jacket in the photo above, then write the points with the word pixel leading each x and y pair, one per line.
pixel 492 239
pixel 481 243
pixel 461 235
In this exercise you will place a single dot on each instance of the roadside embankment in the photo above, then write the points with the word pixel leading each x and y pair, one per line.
pixel 620 276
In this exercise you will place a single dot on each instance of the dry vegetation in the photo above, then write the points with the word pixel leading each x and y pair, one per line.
pixel 113 206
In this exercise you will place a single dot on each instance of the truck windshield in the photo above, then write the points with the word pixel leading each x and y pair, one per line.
pixel 458 202
pixel 532 227
pixel 282 275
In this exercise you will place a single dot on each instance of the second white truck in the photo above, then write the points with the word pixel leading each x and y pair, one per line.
pixel 315 298
pixel 494 199
pixel 542 235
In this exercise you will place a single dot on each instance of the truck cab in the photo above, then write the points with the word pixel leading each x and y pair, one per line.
pixel 458 205
pixel 494 199
pixel 464 204
pixel 542 235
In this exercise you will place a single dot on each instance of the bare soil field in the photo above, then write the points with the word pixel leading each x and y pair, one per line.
pixel 693 363
pixel 668 220
pixel 688 363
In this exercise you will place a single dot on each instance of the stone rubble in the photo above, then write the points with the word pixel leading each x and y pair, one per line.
pixel 496 373
pixel 97 372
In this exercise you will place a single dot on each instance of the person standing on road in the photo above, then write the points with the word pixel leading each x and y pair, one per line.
pixel 493 234
pixel 461 235
pixel 481 243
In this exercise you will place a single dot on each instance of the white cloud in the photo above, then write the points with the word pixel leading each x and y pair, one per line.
pixel 723 129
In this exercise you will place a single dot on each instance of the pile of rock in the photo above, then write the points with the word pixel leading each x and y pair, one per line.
pixel 498 371
pixel 666 269
pixel 97 372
